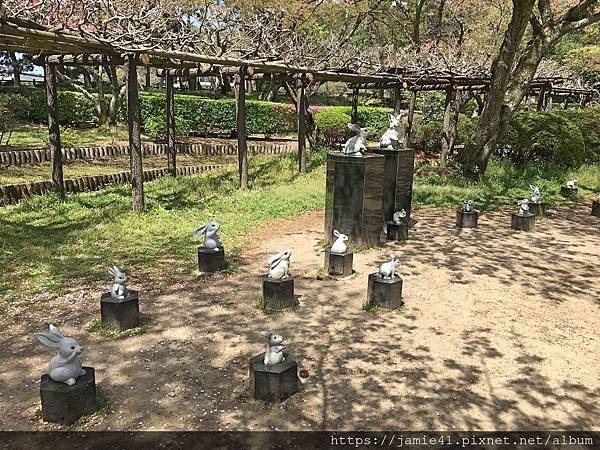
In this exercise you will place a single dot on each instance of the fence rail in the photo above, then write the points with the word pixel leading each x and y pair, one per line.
pixel 19 157
pixel 13 193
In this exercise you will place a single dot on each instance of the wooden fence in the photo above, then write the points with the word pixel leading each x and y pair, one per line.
pixel 19 157
pixel 13 193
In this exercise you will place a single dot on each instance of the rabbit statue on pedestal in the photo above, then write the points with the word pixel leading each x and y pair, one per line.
pixel 387 271
pixel 339 246
pixel 468 206
pixel 274 353
pixel 65 367
pixel 399 216
pixel 119 289
pixel 279 265
pixel 357 144
pixel 523 207
pixel 571 184
pixel 211 240
pixel 395 136
pixel 536 196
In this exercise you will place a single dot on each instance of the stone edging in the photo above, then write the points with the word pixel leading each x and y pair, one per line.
pixel 13 193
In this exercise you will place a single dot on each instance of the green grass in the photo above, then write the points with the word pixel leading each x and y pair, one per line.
pixel 48 245
pixel 503 184
pixel 95 326
pixel 53 246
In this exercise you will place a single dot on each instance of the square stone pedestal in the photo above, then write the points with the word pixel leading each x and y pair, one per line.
pixel 65 404
pixel 273 383
pixel 338 263
pixel 568 192
pixel 121 314
pixel 397 231
pixel 537 209
pixel 397 180
pixel 522 222
pixel 278 294
pixel 596 208
pixel 466 219
pixel 385 293
pixel 210 261
pixel 354 195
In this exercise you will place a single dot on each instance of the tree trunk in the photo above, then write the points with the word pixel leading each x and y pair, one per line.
pixel 135 141
pixel 101 106
pixel 16 68
pixel 54 129
pixel 494 115
pixel 450 125
pixel 301 111
pixel 411 115
pixel 171 150
pixel 117 93
pixel 354 110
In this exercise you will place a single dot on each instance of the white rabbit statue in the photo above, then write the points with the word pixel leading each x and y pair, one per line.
pixel 468 206
pixel 211 240
pixel 356 144
pixel 572 184
pixel 279 265
pixel 387 270
pixel 65 367
pixel 339 246
pixel 119 289
pixel 274 353
pixel 536 195
pixel 395 136
pixel 524 207
pixel 399 216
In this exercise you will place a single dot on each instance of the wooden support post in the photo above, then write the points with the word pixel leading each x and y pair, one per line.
pixel 240 102
pixel 450 124
pixel 548 100
pixel 354 113
pixel 135 141
pixel 541 99
pixel 411 115
pixel 147 84
pixel 54 129
pixel 301 110
pixel 397 99
pixel 171 150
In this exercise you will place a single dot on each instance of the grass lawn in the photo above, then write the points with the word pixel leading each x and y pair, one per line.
pixel 51 246
pixel 28 173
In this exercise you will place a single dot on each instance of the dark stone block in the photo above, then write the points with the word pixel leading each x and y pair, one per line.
pixel 65 404
pixel 397 231
pixel 522 223
pixel 568 192
pixel 121 314
pixel 278 294
pixel 397 180
pixel 210 261
pixel 537 209
pixel 353 198
pixel 385 293
pixel 596 208
pixel 338 263
pixel 273 383
pixel 466 219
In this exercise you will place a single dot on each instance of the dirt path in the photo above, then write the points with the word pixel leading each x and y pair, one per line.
pixel 500 331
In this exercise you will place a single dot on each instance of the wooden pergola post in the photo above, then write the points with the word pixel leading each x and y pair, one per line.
pixel 411 115
pixel 54 128
pixel 171 150
pixel 450 124
pixel 301 110
pixel 541 104
pixel 354 113
pixel 240 113
pixel 135 141
pixel 397 99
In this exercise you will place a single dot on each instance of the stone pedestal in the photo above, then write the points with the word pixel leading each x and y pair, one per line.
pixel 397 180
pixel 397 231
pixel 210 261
pixel 278 294
pixel 385 293
pixel 338 263
pixel 354 194
pixel 537 209
pixel 121 314
pixel 596 208
pixel 65 404
pixel 522 222
pixel 273 383
pixel 466 219
pixel 568 192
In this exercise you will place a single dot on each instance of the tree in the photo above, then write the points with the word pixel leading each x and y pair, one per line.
pixel 510 82
pixel 10 63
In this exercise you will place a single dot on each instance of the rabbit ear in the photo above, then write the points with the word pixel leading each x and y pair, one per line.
pixel 48 340
pixel 265 333
pixel 56 332
pixel 336 233
pixel 390 117
pixel 110 271
pixel 354 127
pixel 200 231
pixel 117 270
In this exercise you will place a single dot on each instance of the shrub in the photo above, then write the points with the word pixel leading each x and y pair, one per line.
pixel 69 138
pixel 156 127
pixel 12 106
pixel 550 137
pixel 588 121
pixel 332 125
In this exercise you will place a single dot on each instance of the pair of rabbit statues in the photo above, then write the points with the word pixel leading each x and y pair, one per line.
pixel 394 137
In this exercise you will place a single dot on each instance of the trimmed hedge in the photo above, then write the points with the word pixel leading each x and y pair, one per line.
pixel 333 122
